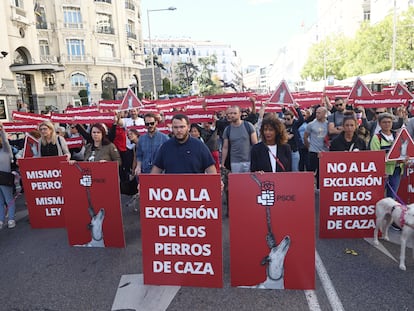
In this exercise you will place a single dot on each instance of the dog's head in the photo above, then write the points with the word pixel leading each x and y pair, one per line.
pixel 277 257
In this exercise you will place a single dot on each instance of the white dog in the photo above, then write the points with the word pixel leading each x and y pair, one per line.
pixel 388 211
pixel 276 269
pixel 96 228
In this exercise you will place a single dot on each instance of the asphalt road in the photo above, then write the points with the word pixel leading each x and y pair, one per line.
pixel 40 271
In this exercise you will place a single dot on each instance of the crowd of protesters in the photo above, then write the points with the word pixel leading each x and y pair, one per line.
pixel 237 140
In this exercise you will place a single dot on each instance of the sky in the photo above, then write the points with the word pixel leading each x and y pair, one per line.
pixel 256 29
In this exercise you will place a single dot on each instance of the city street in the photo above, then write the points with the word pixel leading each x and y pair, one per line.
pixel 40 271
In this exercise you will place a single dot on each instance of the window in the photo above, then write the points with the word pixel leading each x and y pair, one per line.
pixel 72 17
pixel 130 29
pixel 75 47
pixel 104 23
pixel 106 50
pixel 19 3
pixel 129 4
pixel 40 17
pixel 106 1
pixel 78 79
pixel 44 48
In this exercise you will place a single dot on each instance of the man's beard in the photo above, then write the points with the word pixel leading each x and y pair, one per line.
pixel 182 140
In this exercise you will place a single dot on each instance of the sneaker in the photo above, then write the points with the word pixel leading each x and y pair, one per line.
pixel 1 225
pixel 11 224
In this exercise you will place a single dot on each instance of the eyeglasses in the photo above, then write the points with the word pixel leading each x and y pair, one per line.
pixel 337 105
pixel 287 119
pixel 149 123
pixel 379 112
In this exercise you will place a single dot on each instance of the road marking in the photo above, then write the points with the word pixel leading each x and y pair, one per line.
pixel 330 291
pixel 380 247
pixel 132 294
pixel 312 299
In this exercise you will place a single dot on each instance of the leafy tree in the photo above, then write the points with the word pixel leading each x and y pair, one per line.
pixel 368 52
pixel 208 84
pixel 186 73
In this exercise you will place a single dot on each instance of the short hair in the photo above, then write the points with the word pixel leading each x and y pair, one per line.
pixel 181 116
pixel 150 115
pixel 338 98
pixel 132 130
pixel 288 113
pixel 385 115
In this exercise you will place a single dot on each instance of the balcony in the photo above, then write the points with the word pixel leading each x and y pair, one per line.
pixel 42 25
pixel 131 35
pixel 73 25
pixel 77 59
pixel 105 30
pixel 48 59
pixel 105 1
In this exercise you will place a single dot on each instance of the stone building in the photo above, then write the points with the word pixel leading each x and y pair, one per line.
pixel 52 49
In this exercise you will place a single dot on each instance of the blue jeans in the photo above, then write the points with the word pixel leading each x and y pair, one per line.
pixel 295 161
pixel 393 183
pixel 6 197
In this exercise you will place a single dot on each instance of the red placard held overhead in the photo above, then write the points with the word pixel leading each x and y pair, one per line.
pixel 181 229
pixel 402 147
pixel 282 94
pixel 130 101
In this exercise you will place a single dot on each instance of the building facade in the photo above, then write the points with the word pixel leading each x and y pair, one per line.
pixel 171 52
pixel 57 48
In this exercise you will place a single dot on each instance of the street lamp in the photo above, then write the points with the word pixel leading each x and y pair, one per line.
pixel 154 87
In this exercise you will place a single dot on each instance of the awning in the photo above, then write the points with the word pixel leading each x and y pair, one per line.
pixel 36 67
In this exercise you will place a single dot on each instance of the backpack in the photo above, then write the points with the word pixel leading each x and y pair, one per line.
pixel 380 137
pixel 249 130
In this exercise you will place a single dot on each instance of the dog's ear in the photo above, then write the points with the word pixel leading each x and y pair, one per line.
pixel 91 211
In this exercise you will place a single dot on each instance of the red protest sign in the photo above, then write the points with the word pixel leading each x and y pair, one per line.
pixel 223 101
pixel 195 116
pixel 402 147
pixel 42 182
pixel 351 183
pixel 274 220
pixel 93 117
pixel 81 110
pixel 28 116
pixel 19 127
pixel 361 95
pixel 74 142
pixel 130 101
pixel 92 219
pixel 31 147
pixel 282 94
pixel 61 118
pixel 181 230
pixel 400 91
pixel 109 104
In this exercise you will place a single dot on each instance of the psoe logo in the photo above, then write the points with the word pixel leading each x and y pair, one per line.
pixel 267 194
pixel 86 181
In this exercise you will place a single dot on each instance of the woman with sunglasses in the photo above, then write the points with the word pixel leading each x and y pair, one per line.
pixel 52 144
pixel 272 154
pixel 348 139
